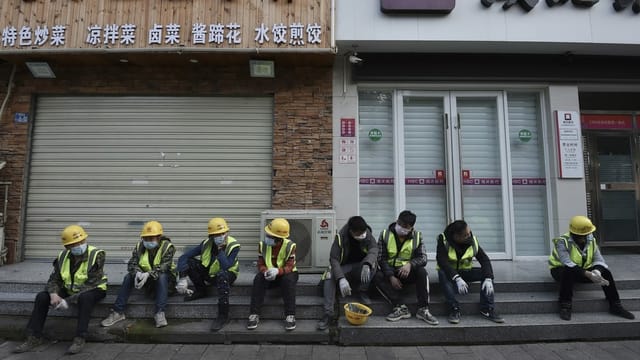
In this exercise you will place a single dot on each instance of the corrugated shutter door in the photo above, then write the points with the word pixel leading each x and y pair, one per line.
pixel 112 163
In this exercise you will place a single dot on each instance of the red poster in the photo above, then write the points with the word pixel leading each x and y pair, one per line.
pixel 606 122
pixel 347 127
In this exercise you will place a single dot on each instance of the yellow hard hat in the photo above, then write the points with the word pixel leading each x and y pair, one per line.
pixel 151 228
pixel 356 313
pixel 73 234
pixel 217 226
pixel 581 225
pixel 278 227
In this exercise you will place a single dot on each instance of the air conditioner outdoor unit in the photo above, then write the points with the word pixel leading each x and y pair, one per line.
pixel 312 231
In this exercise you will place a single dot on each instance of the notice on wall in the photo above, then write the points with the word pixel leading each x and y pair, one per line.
pixel 348 150
pixel 569 144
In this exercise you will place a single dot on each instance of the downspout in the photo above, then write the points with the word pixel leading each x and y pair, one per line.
pixel 9 89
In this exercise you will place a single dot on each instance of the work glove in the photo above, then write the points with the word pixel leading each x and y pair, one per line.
pixel 345 288
pixel 463 288
pixel 596 277
pixel 487 286
pixel 182 287
pixel 365 274
pixel 62 305
pixel 141 279
pixel 271 274
pixel 55 300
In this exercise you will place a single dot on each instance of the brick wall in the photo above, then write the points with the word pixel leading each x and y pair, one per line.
pixel 302 154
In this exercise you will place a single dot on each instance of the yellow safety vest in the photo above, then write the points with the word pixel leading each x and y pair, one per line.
pixel 214 267
pixel 339 239
pixel 399 258
pixel 73 284
pixel 575 254
pixel 466 261
pixel 287 245
pixel 143 261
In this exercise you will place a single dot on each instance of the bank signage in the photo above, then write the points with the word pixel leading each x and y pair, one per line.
pixel 569 137
pixel 446 6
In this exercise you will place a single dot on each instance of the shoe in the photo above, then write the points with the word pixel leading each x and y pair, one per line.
pixel 290 323
pixel 161 320
pixel 492 315
pixel 323 324
pixel 76 345
pixel 424 314
pixel 565 311
pixel 195 295
pixel 399 312
pixel 254 319
pixel 364 298
pixel 31 343
pixel 617 309
pixel 219 322
pixel 113 318
pixel 454 316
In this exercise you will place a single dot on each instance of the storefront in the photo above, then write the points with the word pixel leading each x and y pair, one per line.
pixel 155 110
pixel 467 110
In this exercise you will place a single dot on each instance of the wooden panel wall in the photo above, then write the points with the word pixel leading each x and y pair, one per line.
pixel 78 15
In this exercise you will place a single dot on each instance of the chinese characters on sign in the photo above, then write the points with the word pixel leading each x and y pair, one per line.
pixel 607 121
pixel 295 34
pixel 528 5
pixel 569 144
pixel 348 150
pixel 348 127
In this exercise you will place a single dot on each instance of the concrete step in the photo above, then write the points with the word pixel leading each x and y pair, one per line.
pixel 177 332
pixel 474 329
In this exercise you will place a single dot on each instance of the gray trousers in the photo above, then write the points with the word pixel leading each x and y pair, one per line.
pixel 352 274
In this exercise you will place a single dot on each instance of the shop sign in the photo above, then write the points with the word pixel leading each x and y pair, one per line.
pixel 347 127
pixel 606 122
pixel 21 118
pixel 524 135
pixel 375 134
pixel 417 6
pixel 528 5
pixel 569 144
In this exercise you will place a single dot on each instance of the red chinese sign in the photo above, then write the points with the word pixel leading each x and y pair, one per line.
pixel 606 122
pixel 348 127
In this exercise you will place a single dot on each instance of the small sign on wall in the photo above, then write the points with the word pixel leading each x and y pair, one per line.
pixel 21 118
pixel 348 150
pixel 348 127
pixel 569 144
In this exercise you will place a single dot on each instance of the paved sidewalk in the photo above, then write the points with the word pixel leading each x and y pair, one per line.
pixel 614 350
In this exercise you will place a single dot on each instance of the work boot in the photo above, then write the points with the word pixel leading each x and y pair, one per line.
pixel 29 344
pixel 76 345
pixel 161 320
pixel 113 318
pixel 324 323
pixel 617 309
pixel 565 311
pixel 197 294
pixel 222 319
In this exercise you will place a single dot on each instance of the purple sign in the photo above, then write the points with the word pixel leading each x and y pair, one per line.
pixel 417 6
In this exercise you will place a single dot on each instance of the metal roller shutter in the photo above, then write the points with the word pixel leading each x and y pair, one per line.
pixel 112 163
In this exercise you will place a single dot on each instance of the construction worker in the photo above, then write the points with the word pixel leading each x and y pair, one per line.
pixel 576 258
pixel 456 248
pixel 214 261
pixel 276 267
pixel 78 277
pixel 353 257
pixel 150 268
pixel 402 260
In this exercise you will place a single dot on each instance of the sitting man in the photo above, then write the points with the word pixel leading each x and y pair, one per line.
pixel 576 258
pixel 352 261
pixel 214 261
pixel 402 260
pixel 276 267
pixel 78 275
pixel 150 267
pixel 455 252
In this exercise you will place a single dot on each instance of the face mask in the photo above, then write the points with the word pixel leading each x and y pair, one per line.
pixel 402 231
pixel 269 241
pixel 219 240
pixel 590 237
pixel 79 250
pixel 361 236
pixel 149 244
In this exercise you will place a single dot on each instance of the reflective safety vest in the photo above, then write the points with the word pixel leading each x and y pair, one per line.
pixel 584 261
pixel 399 258
pixel 73 284
pixel 285 252
pixel 214 266
pixel 466 261
pixel 143 261
pixel 327 272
